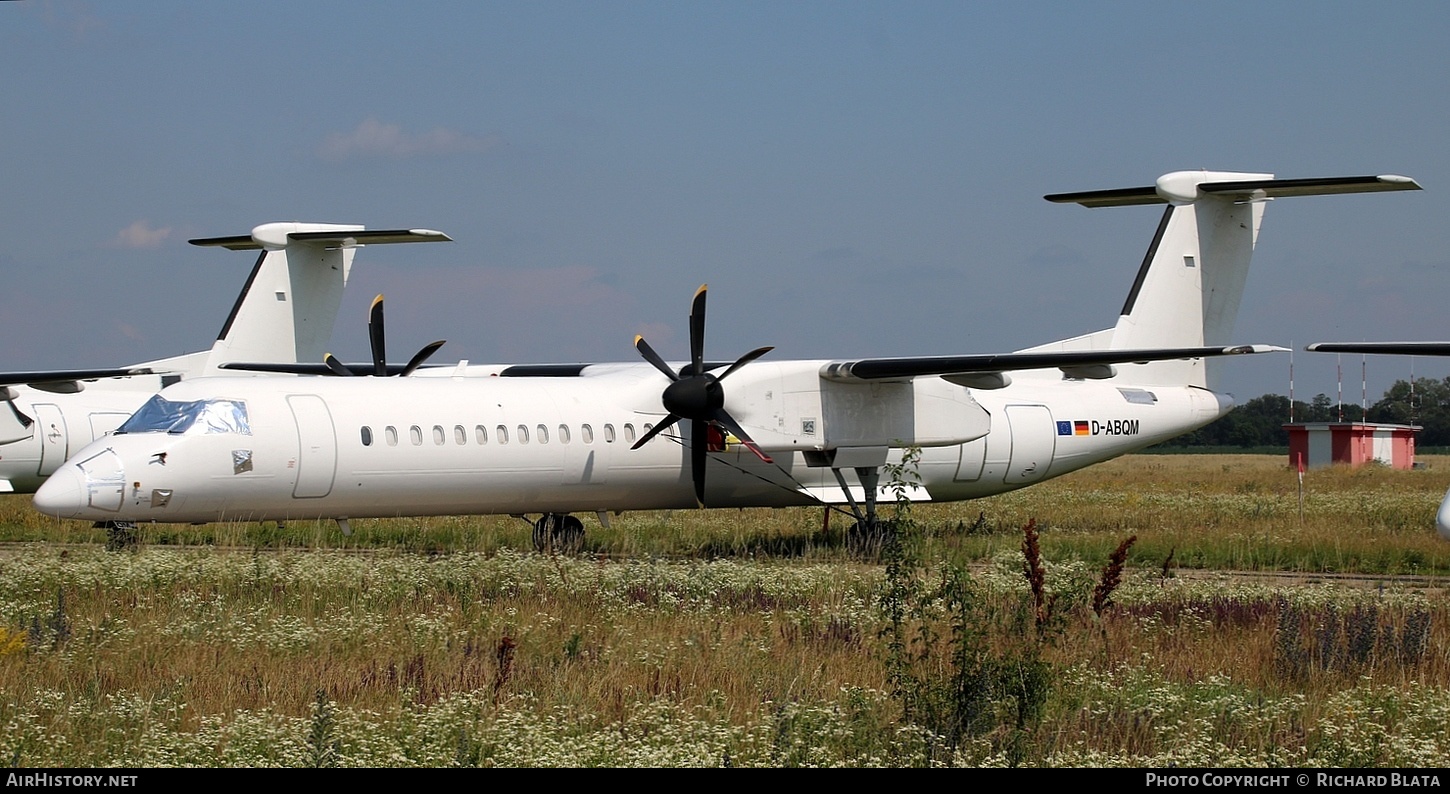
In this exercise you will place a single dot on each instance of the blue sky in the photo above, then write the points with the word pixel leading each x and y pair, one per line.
pixel 850 178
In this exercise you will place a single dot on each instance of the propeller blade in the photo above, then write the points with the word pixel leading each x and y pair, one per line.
pixel 697 332
pixel 698 396
pixel 668 422
pixel 699 439
pixel 421 356
pixel 745 359
pixel 736 430
pixel 337 367
pixel 654 358
pixel 375 337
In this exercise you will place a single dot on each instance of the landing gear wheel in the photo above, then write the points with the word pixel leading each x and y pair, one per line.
pixel 120 535
pixel 867 539
pixel 558 532
pixel 569 536
pixel 544 532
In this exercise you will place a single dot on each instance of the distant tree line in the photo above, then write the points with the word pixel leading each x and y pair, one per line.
pixel 1423 402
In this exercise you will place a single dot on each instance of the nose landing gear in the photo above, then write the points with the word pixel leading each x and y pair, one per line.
pixel 120 535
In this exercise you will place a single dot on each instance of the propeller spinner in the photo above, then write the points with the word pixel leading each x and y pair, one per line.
pixel 379 349
pixel 697 395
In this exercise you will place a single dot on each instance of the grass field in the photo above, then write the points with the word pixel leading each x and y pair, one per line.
pixel 1120 630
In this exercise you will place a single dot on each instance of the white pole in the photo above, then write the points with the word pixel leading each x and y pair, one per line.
pixel 1291 381
pixel 1339 384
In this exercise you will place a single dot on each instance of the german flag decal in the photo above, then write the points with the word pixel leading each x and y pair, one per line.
pixel 1078 428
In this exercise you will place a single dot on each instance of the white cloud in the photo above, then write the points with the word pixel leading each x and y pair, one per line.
pixel 141 235
pixel 373 138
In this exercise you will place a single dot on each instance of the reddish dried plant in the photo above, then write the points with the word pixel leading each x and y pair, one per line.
pixel 504 655
pixel 1112 576
pixel 1036 577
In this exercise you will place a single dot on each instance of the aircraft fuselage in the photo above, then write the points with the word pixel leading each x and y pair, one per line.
pixel 62 423
pixel 330 447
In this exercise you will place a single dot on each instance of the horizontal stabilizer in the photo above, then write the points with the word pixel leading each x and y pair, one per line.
pixel 1187 186
pixel 902 368
pixel 1386 348
pixel 64 379
pixel 342 236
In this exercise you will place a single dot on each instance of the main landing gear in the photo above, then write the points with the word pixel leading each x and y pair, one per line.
pixel 558 533
pixel 868 536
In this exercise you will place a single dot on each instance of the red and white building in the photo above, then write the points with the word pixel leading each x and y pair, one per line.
pixel 1318 444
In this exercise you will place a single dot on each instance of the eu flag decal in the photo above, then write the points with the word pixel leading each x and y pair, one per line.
pixel 1064 428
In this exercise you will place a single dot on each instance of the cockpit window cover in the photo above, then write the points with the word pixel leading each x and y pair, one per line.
pixel 197 417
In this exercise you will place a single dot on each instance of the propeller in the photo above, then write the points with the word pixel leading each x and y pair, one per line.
pixel 696 395
pixel 379 349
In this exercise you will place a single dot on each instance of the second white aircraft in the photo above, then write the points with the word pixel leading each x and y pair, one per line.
pixel 553 441
pixel 284 312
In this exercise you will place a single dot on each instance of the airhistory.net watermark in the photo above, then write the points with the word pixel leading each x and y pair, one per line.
pixel 38 779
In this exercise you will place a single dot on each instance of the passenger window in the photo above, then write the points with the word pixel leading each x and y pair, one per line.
pixel 481 433
pixel 608 433
pixel 523 434
pixel 628 433
pixel 648 427
pixel 502 434
pixel 563 434
pixel 438 435
pixel 416 434
pixel 543 434
pixel 392 434
pixel 460 436
pixel 586 433
pixel 367 436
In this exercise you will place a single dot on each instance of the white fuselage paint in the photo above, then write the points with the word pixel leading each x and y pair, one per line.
pixel 63 424
pixel 568 444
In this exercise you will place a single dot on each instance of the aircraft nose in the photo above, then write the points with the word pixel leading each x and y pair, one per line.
pixel 62 494
pixel 1442 517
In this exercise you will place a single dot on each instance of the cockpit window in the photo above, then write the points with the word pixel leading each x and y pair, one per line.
pixel 197 417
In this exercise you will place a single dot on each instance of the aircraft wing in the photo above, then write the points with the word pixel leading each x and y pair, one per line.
pixel 1077 363
pixel 65 380
pixel 303 368
pixel 1387 348
pixel 975 369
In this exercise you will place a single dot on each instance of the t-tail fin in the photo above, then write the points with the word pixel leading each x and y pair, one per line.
pixel 1189 286
pixel 287 308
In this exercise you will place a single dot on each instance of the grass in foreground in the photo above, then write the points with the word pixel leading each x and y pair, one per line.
pixel 751 638
pixel 1214 512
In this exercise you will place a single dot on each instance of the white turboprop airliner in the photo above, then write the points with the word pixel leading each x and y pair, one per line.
pixel 555 440
pixel 1442 516
pixel 285 312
